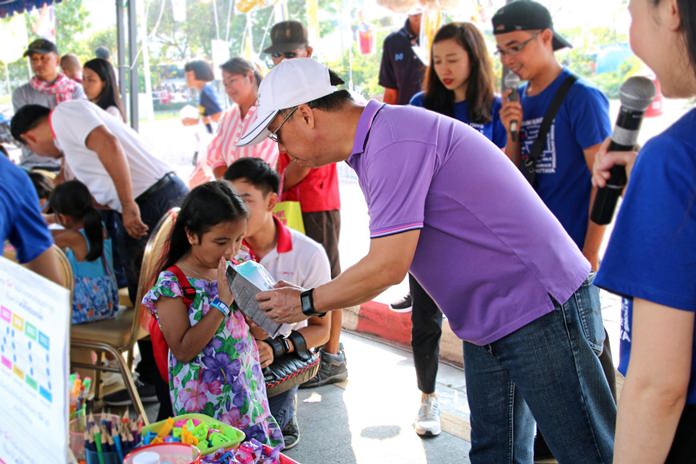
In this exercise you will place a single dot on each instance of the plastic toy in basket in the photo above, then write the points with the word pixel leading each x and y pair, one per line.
pixel 249 452
pixel 169 453
pixel 204 432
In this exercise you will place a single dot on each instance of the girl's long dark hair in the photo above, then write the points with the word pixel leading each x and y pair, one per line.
pixel 204 207
pixel 73 199
pixel 109 95
pixel 480 85
pixel 687 12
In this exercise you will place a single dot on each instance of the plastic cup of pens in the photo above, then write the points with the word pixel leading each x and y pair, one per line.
pixel 108 438
pixel 78 427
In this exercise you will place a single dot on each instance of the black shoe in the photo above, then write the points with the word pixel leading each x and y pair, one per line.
pixel 403 305
pixel 291 434
pixel 146 391
pixel 332 369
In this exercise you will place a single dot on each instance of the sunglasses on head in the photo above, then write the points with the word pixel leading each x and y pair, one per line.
pixel 287 55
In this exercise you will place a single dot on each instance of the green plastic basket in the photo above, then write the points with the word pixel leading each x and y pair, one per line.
pixel 236 436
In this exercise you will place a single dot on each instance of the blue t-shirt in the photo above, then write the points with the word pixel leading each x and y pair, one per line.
pixel 208 104
pixel 652 250
pixel 20 217
pixel 494 130
pixel 562 175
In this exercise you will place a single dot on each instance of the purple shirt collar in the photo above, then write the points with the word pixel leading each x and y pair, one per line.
pixel 364 124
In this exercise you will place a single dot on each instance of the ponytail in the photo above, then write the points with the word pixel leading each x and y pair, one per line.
pixel 94 232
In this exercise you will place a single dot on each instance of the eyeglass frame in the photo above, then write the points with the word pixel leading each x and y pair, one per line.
pixel 273 135
pixel 516 49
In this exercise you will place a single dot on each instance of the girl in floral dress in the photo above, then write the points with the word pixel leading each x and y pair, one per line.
pixel 214 364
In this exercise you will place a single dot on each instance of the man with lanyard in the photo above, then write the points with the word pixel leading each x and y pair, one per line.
pixel 524 304
pixel 562 170
pixel 289 256
pixel 47 87
pixel 112 161
pixel 401 70
pixel 316 189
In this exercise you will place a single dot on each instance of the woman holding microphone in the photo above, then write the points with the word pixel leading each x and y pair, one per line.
pixel 651 256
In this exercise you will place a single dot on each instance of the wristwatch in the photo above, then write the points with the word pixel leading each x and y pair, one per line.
pixel 307 303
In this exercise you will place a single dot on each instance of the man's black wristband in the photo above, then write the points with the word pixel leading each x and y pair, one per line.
pixel 307 304
pixel 300 344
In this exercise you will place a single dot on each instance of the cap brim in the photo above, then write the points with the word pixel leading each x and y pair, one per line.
pixel 559 42
pixel 40 52
pixel 284 47
pixel 259 131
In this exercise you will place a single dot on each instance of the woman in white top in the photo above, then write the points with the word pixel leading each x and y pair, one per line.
pixel 101 88
pixel 241 82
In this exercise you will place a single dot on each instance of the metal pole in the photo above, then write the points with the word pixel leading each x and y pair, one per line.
pixel 133 70
pixel 121 50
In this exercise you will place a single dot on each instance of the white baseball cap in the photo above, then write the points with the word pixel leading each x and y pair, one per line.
pixel 291 83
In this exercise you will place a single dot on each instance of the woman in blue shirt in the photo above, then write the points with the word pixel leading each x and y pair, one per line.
pixel 460 82
pixel 651 257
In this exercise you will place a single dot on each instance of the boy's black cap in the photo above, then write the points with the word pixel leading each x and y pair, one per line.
pixel 287 36
pixel 41 46
pixel 526 15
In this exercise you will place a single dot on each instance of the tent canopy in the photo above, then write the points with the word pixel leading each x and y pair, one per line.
pixel 10 7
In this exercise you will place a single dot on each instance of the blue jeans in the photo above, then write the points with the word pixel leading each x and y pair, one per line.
pixel 548 370
pixel 282 407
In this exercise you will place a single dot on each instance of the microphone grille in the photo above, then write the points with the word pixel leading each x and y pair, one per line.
pixel 511 81
pixel 637 93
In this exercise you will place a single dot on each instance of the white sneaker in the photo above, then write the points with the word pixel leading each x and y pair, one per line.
pixel 427 423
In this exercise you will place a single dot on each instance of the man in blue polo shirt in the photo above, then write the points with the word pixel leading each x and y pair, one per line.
pixel 21 222
pixel 401 70
pixel 524 304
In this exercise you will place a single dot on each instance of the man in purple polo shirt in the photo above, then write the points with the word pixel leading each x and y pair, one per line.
pixel 475 235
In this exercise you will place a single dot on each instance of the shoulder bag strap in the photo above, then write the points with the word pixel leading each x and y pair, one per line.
pixel 529 165
pixel 188 291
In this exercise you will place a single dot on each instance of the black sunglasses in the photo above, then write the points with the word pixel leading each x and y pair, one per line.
pixel 287 55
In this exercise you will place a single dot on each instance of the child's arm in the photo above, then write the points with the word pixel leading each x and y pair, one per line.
pixel 185 342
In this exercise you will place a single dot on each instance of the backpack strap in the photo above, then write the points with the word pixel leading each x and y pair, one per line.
pixel 189 293
pixel 528 166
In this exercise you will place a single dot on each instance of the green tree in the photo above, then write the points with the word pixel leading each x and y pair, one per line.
pixel 72 20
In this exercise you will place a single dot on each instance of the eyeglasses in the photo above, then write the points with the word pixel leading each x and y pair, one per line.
pixel 513 50
pixel 287 55
pixel 274 135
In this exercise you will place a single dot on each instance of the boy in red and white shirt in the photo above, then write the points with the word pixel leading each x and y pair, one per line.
pixel 288 255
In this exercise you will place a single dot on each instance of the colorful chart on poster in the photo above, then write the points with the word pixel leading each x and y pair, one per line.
pixel 34 328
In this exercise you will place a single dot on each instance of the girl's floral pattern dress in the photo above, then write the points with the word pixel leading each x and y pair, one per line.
pixel 224 381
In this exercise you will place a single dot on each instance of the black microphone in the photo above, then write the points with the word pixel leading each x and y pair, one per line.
pixel 512 82
pixel 635 95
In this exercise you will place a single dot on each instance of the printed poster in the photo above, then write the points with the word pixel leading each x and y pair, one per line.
pixel 34 363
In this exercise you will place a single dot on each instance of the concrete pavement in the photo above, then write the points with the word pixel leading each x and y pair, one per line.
pixel 368 419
